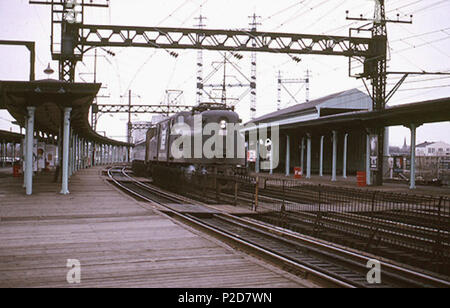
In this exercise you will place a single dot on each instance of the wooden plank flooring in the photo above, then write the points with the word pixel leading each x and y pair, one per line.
pixel 118 242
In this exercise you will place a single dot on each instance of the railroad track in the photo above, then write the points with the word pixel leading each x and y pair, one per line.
pixel 405 237
pixel 334 266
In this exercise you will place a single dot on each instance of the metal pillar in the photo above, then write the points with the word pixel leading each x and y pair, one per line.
pixel 94 154
pixel 102 154
pixel 2 153
pixel 65 158
pixel 288 155
pixel 257 157
pixel 106 155
pixel 412 180
pixel 344 163
pixel 77 153
pixel 334 167
pixel 321 156
pixel 368 175
pixel 85 152
pixel 386 142
pixel 70 152
pixel 302 156
pixel 14 153
pixel 308 157
pixel 24 151
pixel 82 153
pixel 29 152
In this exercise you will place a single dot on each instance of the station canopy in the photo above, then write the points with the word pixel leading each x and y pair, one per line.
pixel 50 97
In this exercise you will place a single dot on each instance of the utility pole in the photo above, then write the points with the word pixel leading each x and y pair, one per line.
pixel 94 114
pixel 200 25
pixel 282 85
pixel 224 84
pixel 129 126
pixel 253 24
pixel 307 80
pixel 379 33
pixel 375 69
pixel 279 91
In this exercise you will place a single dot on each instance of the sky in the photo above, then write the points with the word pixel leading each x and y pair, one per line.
pixel 149 73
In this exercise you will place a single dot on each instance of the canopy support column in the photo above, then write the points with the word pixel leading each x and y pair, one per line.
pixel 368 175
pixel 65 160
pixel 412 179
pixel 288 155
pixel 321 156
pixel 344 163
pixel 308 156
pixel 29 151
pixel 334 167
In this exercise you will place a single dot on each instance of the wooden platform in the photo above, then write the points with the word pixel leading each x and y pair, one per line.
pixel 119 242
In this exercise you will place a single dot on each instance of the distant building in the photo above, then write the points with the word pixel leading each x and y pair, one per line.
pixel 138 135
pixel 403 151
pixel 433 149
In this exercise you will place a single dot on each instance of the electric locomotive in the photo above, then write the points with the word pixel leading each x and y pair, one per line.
pixel 163 164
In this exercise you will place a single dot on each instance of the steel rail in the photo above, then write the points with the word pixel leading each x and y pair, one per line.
pixel 243 242
pixel 393 270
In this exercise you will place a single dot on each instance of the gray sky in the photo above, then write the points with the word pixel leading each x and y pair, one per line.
pixel 422 46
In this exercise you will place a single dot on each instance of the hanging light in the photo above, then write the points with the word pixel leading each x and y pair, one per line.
pixel 48 71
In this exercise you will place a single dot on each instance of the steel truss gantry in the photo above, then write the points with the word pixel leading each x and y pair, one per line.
pixel 77 38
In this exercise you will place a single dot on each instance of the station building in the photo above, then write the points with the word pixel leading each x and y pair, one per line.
pixel 334 135
pixel 312 150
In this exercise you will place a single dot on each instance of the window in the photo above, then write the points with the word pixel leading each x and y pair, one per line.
pixel 440 150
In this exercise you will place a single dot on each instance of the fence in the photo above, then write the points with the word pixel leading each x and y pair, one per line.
pixel 386 223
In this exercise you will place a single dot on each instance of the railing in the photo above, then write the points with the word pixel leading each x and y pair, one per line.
pixel 385 223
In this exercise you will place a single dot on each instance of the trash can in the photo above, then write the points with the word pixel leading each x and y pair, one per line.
pixel 16 170
pixel 297 172
pixel 361 178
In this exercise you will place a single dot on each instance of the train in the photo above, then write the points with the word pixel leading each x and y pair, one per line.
pixel 156 157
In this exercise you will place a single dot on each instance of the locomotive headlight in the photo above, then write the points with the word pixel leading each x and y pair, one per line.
pixel 223 124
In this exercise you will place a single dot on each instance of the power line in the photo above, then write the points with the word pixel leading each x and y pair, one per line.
pixel 425 88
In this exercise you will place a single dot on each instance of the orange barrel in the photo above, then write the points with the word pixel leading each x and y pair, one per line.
pixel 298 172
pixel 361 178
